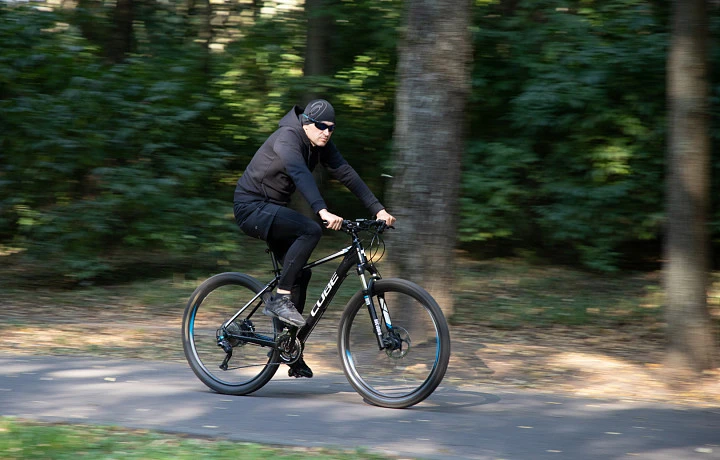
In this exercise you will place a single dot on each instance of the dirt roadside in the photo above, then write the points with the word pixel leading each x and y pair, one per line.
pixel 624 365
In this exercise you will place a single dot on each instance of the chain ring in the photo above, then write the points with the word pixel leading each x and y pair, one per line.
pixel 289 352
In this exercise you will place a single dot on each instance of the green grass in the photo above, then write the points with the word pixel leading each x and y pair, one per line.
pixel 32 440
pixel 513 294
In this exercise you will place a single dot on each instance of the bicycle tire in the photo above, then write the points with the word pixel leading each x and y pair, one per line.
pixel 394 379
pixel 212 304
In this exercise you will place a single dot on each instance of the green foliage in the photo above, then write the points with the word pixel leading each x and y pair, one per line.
pixel 106 158
pixel 568 156
pixel 565 156
pixel 100 159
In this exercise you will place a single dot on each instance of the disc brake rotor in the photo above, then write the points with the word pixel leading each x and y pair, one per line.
pixel 400 343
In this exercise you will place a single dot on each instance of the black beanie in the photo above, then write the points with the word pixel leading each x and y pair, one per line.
pixel 319 110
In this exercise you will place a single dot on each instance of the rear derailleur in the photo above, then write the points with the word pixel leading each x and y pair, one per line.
pixel 231 336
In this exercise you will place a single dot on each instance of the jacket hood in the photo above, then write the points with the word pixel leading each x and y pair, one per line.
pixel 292 118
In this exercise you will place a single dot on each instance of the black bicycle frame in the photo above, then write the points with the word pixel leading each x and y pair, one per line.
pixel 354 256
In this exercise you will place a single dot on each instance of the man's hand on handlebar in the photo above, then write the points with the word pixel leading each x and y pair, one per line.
pixel 384 215
pixel 332 221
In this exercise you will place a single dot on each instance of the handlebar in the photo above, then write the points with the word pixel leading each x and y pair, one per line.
pixel 357 225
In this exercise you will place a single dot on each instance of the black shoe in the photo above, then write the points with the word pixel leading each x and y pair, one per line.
pixel 300 369
pixel 280 306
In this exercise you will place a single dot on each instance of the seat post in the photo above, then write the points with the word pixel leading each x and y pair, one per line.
pixel 273 259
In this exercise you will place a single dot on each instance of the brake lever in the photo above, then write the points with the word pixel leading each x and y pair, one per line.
pixel 382 226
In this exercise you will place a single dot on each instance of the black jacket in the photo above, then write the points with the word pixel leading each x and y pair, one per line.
pixel 285 163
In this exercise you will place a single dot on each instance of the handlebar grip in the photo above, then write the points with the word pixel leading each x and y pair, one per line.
pixel 362 224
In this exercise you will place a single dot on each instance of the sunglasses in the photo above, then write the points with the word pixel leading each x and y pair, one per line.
pixel 320 125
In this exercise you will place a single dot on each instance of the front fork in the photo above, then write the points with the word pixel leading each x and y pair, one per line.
pixel 385 341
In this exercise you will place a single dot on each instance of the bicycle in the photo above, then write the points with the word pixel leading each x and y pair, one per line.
pixel 393 339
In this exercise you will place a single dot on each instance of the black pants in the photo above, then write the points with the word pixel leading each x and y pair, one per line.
pixel 291 236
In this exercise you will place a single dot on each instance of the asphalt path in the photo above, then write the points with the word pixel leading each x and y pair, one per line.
pixel 456 422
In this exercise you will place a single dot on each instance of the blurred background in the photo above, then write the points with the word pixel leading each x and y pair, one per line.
pixel 125 124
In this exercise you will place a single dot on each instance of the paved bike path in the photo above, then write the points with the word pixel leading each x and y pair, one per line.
pixel 456 422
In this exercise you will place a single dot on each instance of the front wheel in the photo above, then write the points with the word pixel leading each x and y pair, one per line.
pixel 253 362
pixel 414 363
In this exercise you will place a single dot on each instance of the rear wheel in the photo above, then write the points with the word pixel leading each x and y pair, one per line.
pixel 414 364
pixel 213 303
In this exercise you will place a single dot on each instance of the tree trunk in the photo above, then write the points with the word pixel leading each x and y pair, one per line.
pixel 199 13
pixel 319 31
pixel 434 84
pixel 317 63
pixel 690 332
pixel 122 38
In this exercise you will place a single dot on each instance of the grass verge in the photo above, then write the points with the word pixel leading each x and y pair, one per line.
pixel 33 440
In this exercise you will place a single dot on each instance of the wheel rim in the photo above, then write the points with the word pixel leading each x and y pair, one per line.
pixel 249 361
pixel 393 376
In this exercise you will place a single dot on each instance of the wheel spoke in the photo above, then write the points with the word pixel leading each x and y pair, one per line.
pixel 413 365
pixel 251 364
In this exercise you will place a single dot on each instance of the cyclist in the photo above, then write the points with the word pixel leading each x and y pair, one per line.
pixel 283 164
